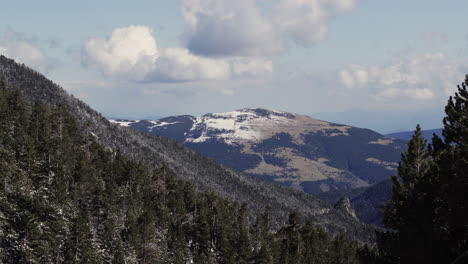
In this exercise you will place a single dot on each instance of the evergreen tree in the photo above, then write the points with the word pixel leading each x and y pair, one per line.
pixel 451 171
pixel 290 243
pixel 404 213
pixel 413 166
pixel 263 239
pixel 429 207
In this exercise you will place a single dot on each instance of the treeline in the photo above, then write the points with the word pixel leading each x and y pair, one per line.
pixel 428 213
pixel 66 199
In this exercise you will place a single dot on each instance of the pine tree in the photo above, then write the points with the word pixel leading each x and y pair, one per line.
pixel 451 169
pixel 409 204
pixel 263 238
pixel 242 237
pixel 413 166
pixel 456 120
pixel 429 207
pixel 290 243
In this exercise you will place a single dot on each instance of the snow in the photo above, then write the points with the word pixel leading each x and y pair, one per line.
pixel 124 123
pixel 233 127
pixel 160 124
pixel 127 123
pixel 247 125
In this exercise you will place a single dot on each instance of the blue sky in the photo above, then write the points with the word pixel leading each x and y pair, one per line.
pixel 349 61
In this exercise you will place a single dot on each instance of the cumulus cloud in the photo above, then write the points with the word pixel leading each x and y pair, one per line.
pixel 418 77
pixel 23 50
pixel 228 28
pixel 132 53
pixel 239 28
pixel 129 51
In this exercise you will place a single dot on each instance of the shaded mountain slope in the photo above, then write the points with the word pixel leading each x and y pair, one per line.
pixel 65 199
pixel 295 150
pixel 366 201
pixel 204 173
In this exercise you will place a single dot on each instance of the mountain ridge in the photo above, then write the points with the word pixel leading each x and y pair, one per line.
pixel 295 150
pixel 206 174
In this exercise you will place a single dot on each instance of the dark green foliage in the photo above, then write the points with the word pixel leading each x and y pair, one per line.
pixel 413 167
pixel 64 198
pixel 429 208
pixel 154 152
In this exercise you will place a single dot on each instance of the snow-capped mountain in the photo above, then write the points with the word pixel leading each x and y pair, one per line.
pixel 295 150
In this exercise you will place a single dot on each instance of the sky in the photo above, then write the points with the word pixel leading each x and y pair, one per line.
pixel 384 65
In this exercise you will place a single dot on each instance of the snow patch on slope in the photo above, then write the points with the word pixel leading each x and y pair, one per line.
pixel 256 124
pixel 160 124
pixel 123 122
pixel 237 126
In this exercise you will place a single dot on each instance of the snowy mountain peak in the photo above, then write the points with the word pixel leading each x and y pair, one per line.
pixel 306 153
pixel 249 113
pixel 247 125
pixel 256 124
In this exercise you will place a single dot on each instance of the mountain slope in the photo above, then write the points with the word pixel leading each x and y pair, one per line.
pixel 299 151
pixel 65 199
pixel 366 201
pixel 206 174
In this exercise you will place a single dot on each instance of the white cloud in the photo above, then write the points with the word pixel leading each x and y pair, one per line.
pixel 344 5
pixel 228 28
pixel 17 47
pixel 129 51
pixel 239 28
pixel 178 64
pixel 132 53
pixel 419 77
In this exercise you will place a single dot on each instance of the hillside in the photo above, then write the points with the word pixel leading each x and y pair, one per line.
pixel 66 199
pixel 154 152
pixel 295 150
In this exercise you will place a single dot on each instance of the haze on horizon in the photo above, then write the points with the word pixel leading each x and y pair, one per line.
pixel 377 64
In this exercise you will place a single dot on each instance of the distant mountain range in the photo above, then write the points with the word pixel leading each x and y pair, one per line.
pixel 295 150
pixel 427 134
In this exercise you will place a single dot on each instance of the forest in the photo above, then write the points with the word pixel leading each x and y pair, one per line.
pixel 67 199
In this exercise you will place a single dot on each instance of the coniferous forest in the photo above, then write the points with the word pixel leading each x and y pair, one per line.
pixel 234 132
pixel 66 199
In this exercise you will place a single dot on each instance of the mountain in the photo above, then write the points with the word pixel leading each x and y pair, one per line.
pixel 156 152
pixel 295 150
pixel 367 201
pixel 67 199
pixel 427 134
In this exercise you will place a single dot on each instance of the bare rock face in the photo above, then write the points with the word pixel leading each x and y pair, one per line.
pixel 344 205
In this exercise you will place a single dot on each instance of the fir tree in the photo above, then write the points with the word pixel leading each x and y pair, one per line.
pixel 429 207
pixel 404 213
